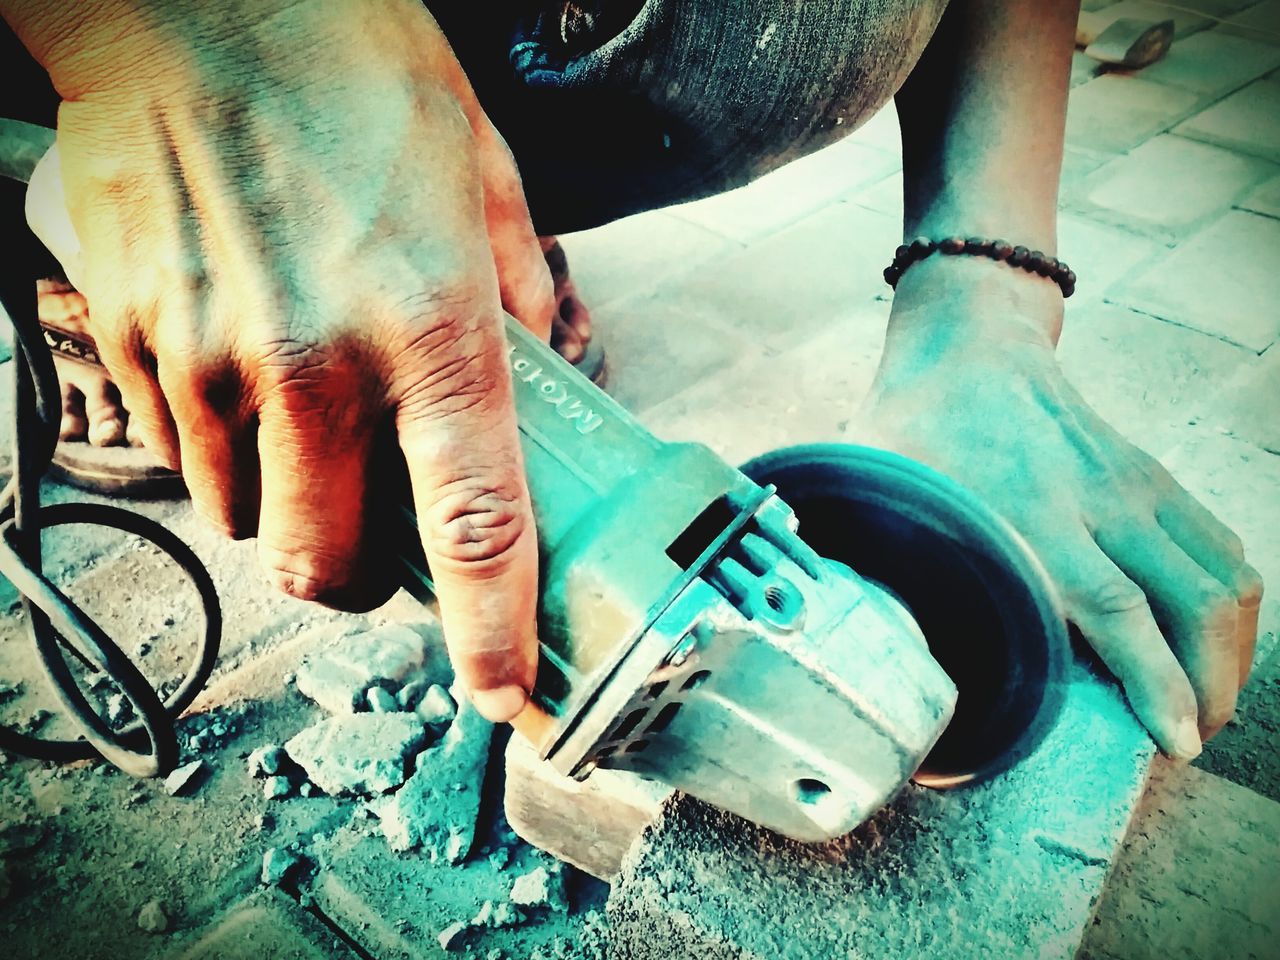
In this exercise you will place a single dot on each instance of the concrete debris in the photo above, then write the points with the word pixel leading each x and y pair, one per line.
pixel 359 753
pixel 541 887
pixel 9 691
pixel 152 918
pixel 497 915
pixel 437 708
pixel 267 760
pixel 454 937
pixel 380 700
pixel 278 865
pixel 183 780
pixel 338 678
pixel 437 808
pixel 118 708
pixel 307 789
pixel 275 788
pixel 500 858
pixel 411 693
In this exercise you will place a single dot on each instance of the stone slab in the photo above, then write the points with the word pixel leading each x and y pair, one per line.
pixel 789 193
pixel 1169 185
pixel 1247 121
pixel 267 926
pixel 1196 878
pixel 1207 284
pixel 1116 112
pixel 1148 379
pixel 590 824
pixel 1213 63
pixel 1010 868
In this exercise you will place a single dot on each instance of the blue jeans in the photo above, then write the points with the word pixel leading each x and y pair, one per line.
pixel 616 106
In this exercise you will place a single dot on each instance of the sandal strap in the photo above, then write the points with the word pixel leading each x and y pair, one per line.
pixel 71 346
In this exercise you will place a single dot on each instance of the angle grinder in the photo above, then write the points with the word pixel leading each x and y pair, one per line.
pixel 792 641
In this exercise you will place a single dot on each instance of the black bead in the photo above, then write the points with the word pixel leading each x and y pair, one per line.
pixel 1018 256
pixel 1000 249
pixel 921 247
pixel 902 253
pixel 952 245
pixel 977 245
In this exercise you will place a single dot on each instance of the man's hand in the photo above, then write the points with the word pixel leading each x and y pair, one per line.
pixel 1155 583
pixel 297 225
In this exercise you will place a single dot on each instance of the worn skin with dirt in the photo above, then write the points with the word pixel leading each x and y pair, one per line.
pixel 283 304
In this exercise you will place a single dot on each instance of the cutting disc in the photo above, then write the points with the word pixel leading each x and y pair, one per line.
pixel 977 592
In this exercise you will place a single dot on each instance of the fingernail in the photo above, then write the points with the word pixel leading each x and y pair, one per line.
pixel 1186 739
pixel 501 703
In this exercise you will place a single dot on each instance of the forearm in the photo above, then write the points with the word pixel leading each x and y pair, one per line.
pixel 983 116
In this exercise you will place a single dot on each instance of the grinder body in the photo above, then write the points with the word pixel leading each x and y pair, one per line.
pixel 689 634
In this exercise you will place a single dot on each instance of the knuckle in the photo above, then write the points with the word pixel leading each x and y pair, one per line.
pixel 473 525
pixel 304 577
pixel 1113 597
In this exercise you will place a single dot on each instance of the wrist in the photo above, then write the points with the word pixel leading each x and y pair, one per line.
pixel 950 310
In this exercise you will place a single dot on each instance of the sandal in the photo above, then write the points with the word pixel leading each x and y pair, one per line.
pixel 116 470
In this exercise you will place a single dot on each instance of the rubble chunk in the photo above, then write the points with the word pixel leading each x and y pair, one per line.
pixel 274 788
pixel 152 917
pixel 337 678
pixel 411 693
pixel 183 780
pixel 437 708
pixel 454 937
pixel 267 760
pixel 437 807
pixel 497 915
pixel 541 887
pixel 381 701
pixel 358 753
pixel 278 865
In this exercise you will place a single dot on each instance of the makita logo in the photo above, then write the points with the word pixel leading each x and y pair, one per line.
pixel 555 392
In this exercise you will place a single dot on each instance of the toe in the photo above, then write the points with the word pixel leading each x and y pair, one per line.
pixel 566 342
pixel 574 312
pixel 75 425
pixel 106 415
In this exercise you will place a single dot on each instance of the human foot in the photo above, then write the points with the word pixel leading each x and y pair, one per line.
pixel 571 327
pixel 91 407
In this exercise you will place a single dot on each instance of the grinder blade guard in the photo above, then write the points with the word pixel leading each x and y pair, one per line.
pixel 689 634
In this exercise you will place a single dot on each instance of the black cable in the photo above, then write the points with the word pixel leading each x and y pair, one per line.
pixel 55 624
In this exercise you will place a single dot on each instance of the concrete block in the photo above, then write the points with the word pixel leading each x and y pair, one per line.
pixel 1207 284
pixel 1196 878
pixel 1259 21
pixel 1247 121
pixel 1146 377
pixel 1265 199
pixel 1116 112
pixel 338 676
pixel 1213 63
pixel 397 904
pixel 590 824
pixel 1010 868
pixel 437 807
pixel 359 753
pixel 1247 407
pixel 809 392
pixel 790 193
pixel 266 925
pixel 632 255
pixel 794 284
pixel 1169 184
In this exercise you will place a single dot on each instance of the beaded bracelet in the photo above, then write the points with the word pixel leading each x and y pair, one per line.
pixel 1032 261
